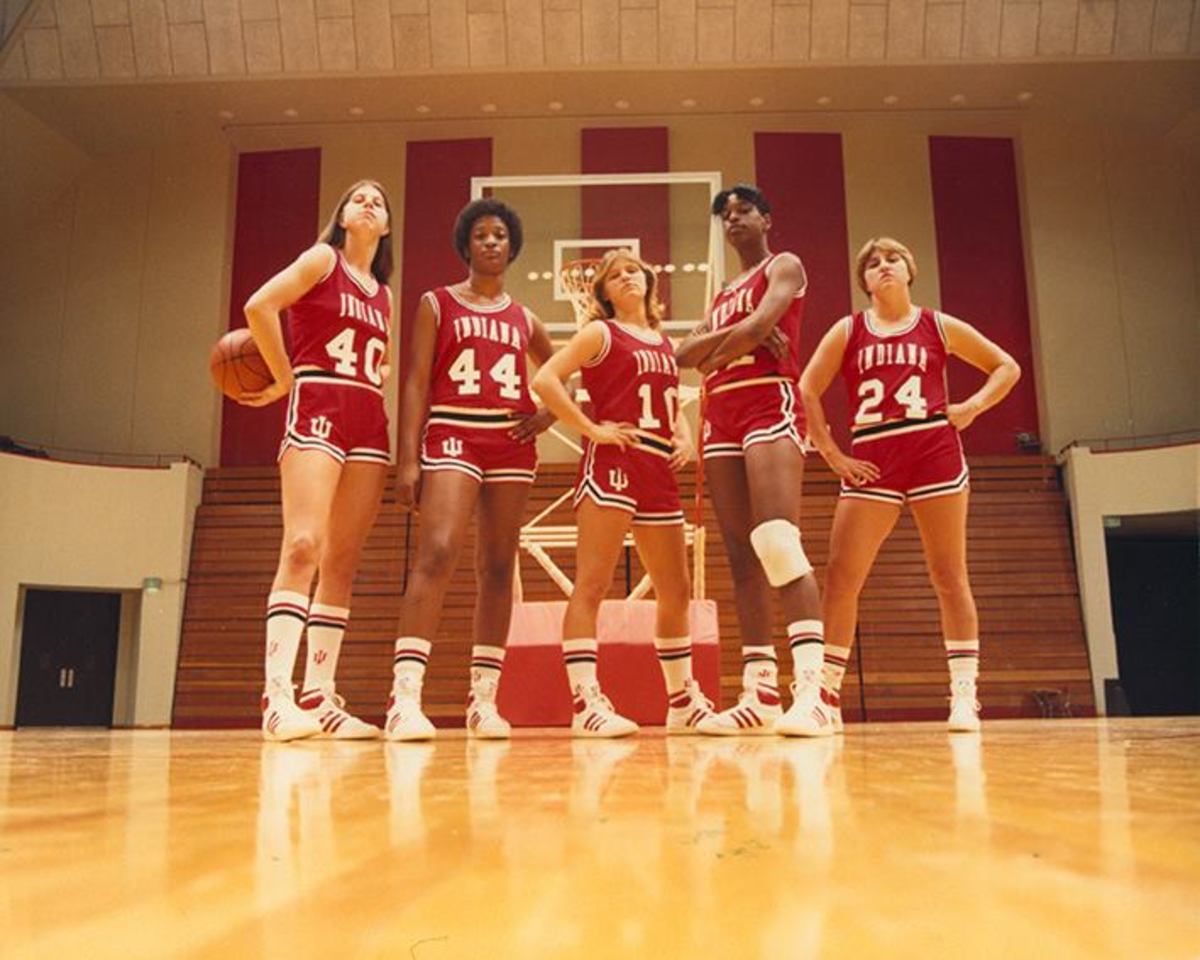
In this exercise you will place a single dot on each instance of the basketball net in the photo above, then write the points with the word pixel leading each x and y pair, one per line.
pixel 577 277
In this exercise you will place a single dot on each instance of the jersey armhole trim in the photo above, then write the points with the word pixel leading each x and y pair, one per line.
pixel 938 321
pixel 336 260
pixel 437 307
pixel 775 258
pixel 606 335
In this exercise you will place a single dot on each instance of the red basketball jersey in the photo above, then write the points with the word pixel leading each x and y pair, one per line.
pixel 479 361
pixel 342 327
pixel 736 302
pixel 898 376
pixel 634 379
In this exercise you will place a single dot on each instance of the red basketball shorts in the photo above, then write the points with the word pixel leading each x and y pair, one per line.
pixel 342 418
pixel 478 445
pixel 736 417
pixel 916 461
pixel 634 480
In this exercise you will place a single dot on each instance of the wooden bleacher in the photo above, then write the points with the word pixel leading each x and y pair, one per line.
pixel 1021 560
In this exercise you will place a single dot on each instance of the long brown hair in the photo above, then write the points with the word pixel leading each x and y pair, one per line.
pixel 604 309
pixel 334 233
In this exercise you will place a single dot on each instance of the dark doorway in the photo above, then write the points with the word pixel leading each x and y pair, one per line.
pixel 68 658
pixel 1154 576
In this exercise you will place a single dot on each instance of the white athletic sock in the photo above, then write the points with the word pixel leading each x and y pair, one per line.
pixel 675 658
pixel 836 659
pixel 580 658
pixel 326 628
pixel 759 666
pixel 287 612
pixel 963 659
pixel 412 654
pixel 807 640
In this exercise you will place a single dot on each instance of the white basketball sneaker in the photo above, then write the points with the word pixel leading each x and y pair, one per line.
pixel 687 709
pixel 754 714
pixel 336 722
pixel 595 716
pixel 808 716
pixel 281 718
pixel 964 707
pixel 405 721
pixel 833 700
pixel 483 718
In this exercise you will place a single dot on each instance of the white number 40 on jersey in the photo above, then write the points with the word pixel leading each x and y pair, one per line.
pixel 341 350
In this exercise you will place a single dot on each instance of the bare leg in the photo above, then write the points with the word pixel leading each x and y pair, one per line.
pixel 730 493
pixel 501 512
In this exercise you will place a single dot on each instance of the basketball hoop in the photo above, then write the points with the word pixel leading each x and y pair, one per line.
pixel 577 277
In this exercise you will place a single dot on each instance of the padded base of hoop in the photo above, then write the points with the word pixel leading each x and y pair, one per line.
pixel 533 689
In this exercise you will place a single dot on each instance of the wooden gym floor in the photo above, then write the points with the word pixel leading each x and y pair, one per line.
pixel 1062 838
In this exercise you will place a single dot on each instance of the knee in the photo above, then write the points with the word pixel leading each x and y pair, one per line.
pixel 777 545
pixel 843 581
pixel 495 573
pixel 436 560
pixel 949 580
pixel 590 591
pixel 301 548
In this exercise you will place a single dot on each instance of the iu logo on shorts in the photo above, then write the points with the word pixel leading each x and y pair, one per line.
pixel 321 427
pixel 618 479
pixel 452 447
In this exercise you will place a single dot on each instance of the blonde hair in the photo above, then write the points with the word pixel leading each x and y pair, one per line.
pixel 603 309
pixel 885 245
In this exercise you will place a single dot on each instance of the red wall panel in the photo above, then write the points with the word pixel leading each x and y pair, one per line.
pixel 801 176
pixel 982 265
pixel 277 217
pixel 639 211
pixel 437 185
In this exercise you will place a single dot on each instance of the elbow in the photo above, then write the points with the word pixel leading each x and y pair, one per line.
pixel 683 359
pixel 538 384
pixel 1016 370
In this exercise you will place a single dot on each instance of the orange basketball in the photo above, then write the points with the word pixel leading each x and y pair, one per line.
pixel 237 367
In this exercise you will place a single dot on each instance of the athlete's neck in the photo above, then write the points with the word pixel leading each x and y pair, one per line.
pixel 484 286
pixel 892 307
pixel 634 318
pixel 753 254
pixel 359 254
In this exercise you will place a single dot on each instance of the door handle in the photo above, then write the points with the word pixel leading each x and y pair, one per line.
pixel 62 678
pixel 71 678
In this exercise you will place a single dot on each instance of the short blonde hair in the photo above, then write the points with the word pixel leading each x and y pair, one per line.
pixel 884 245
pixel 603 309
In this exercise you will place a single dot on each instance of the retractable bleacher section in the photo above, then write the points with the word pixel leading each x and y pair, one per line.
pixel 1021 561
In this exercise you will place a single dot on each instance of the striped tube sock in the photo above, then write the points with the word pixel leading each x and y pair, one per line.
pixel 580 658
pixel 412 653
pixel 836 659
pixel 326 627
pixel 807 640
pixel 760 666
pixel 287 612
pixel 486 664
pixel 963 659
pixel 675 658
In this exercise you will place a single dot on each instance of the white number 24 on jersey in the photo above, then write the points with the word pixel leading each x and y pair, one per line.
pixel 504 372
pixel 908 396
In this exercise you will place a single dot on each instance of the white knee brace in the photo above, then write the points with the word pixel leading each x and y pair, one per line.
pixel 777 543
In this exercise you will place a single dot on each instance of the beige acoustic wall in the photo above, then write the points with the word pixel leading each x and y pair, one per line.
pixel 73 526
pixel 1119 484
pixel 1112 245
pixel 118 270
pixel 119 283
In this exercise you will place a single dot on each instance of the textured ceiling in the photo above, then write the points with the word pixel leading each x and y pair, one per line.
pixel 94 40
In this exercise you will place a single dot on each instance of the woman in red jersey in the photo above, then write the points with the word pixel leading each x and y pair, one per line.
pixel 626 479
pixel 905 449
pixel 335 451
pixel 748 349
pixel 467 437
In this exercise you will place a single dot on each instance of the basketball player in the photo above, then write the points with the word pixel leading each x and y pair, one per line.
pixel 467 438
pixel 905 448
pixel 626 480
pixel 748 349
pixel 334 453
